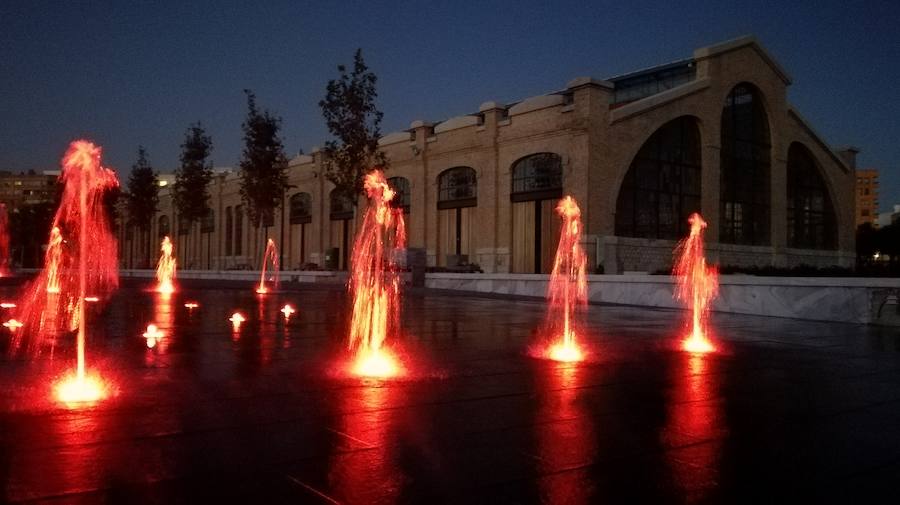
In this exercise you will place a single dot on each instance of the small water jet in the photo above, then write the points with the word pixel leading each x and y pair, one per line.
pixel 165 268
pixel 270 256
pixel 287 310
pixel 567 290
pixel 375 282
pixel 697 284
pixel 12 324
pixel 236 319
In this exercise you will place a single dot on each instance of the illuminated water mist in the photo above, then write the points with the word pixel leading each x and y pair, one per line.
pixel 270 256
pixel 165 268
pixel 84 263
pixel 567 291
pixel 375 282
pixel 697 285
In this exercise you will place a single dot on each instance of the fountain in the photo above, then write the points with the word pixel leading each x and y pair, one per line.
pixel 697 284
pixel 269 256
pixel 375 282
pixel 165 268
pixel 567 291
pixel 86 262
pixel 4 241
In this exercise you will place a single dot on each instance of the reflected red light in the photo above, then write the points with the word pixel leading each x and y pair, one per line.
pixel 565 435
pixel 697 284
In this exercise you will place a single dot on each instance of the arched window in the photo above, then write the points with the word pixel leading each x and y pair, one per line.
pixel 340 205
pixel 810 214
pixel 163 226
pixel 662 186
pixel 457 187
pixel 400 185
pixel 537 177
pixel 301 208
pixel 744 183
pixel 208 223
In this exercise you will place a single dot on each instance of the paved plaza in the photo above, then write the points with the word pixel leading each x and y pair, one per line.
pixel 787 412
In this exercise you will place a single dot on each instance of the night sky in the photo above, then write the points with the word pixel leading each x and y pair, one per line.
pixel 130 73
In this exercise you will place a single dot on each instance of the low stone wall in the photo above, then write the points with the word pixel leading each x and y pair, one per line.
pixel 849 300
pixel 245 275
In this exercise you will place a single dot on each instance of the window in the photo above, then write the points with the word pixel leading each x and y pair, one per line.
pixel 810 215
pixel 400 185
pixel 238 230
pixel 301 208
pixel 208 223
pixel 457 187
pixel 340 205
pixel 163 226
pixel 537 177
pixel 184 226
pixel 744 182
pixel 267 218
pixel 662 186
pixel 865 212
pixel 229 230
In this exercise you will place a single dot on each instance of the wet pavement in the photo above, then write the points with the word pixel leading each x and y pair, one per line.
pixel 787 411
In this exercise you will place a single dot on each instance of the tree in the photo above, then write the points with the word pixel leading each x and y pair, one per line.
pixel 355 122
pixel 192 178
pixel 143 198
pixel 263 165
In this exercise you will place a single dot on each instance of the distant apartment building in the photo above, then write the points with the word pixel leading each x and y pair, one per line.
pixel 26 188
pixel 867 196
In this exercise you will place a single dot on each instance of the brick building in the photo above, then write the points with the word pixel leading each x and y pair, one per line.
pixel 712 133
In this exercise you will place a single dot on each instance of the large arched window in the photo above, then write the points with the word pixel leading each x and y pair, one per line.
pixel 810 214
pixel 744 183
pixel 340 205
pixel 457 187
pixel 163 226
pixel 662 186
pixel 400 185
pixel 301 208
pixel 537 177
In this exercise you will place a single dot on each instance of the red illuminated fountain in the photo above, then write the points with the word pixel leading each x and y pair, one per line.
pixel 269 256
pixel 697 285
pixel 4 241
pixel 165 268
pixel 567 291
pixel 85 263
pixel 375 282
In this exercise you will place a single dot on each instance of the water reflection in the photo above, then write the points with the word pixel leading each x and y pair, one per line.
pixel 696 424
pixel 364 470
pixel 565 437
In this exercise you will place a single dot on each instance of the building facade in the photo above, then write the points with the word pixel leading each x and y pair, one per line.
pixel 713 133
pixel 867 197
pixel 29 188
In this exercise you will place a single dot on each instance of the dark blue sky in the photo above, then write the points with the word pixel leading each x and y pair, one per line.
pixel 130 73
